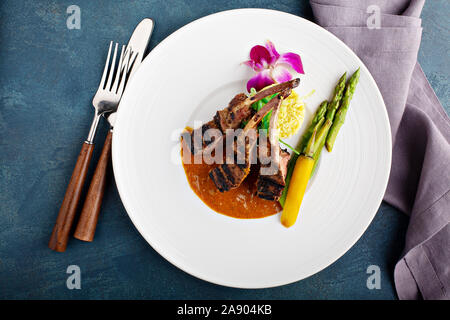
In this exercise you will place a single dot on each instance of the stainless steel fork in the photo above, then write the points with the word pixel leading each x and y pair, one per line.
pixel 105 100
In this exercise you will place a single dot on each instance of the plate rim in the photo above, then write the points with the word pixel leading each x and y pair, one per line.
pixel 187 269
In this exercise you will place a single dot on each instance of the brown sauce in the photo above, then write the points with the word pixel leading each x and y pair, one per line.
pixel 240 202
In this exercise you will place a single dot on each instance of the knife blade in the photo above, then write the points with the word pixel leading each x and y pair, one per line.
pixel 138 43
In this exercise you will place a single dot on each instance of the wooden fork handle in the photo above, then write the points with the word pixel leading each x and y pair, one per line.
pixel 67 212
pixel 89 215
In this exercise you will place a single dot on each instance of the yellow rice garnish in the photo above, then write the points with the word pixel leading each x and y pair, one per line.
pixel 291 115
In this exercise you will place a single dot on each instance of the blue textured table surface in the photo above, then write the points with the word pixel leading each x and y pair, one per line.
pixel 48 75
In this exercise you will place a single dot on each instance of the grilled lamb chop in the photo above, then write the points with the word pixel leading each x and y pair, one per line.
pixel 232 116
pixel 231 174
pixel 271 180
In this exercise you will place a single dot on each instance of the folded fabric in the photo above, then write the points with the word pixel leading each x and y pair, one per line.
pixel 419 184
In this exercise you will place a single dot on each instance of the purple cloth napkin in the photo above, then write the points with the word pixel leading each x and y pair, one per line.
pixel 419 184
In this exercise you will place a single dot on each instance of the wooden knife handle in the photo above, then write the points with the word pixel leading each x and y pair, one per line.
pixel 67 212
pixel 89 215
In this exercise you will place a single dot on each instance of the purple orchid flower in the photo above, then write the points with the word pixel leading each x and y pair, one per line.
pixel 271 67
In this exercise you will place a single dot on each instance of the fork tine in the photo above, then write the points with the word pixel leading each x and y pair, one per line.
pixel 125 73
pixel 119 71
pixel 132 62
pixel 126 58
pixel 105 70
pixel 111 71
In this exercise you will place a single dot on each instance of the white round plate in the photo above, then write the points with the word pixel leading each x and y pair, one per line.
pixel 193 73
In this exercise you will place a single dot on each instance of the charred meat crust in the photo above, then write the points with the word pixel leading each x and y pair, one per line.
pixel 219 179
pixel 225 177
pixel 205 139
pixel 269 189
pixel 232 116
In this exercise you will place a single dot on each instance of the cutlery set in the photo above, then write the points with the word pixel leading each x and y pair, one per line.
pixel 106 102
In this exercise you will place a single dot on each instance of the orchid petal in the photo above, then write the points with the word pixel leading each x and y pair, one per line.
pixel 281 74
pixel 250 63
pixel 273 52
pixel 255 66
pixel 293 60
pixel 260 55
pixel 260 80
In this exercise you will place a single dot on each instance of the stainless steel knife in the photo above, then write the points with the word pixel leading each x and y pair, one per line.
pixel 89 215
pixel 138 43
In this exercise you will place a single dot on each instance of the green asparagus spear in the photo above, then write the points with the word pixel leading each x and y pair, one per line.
pixel 320 142
pixel 334 104
pixel 320 113
pixel 342 111
pixel 318 116
pixel 322 136
pixel 331 111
